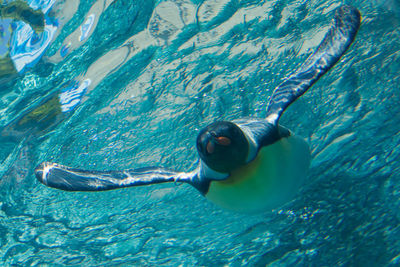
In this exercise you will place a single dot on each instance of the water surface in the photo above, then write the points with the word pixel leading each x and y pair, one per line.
pixel 125 84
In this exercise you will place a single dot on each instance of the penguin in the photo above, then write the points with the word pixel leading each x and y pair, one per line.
pixel 244 165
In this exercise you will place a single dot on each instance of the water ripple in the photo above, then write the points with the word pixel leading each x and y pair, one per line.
pixel 122 84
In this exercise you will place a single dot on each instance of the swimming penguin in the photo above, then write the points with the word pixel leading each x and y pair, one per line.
pixel 247 165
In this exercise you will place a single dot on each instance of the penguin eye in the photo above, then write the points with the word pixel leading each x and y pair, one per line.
pixel 222 140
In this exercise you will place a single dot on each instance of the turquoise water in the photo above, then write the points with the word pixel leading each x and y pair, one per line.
pixel 125 84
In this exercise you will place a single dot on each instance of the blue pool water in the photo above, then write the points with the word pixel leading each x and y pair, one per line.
pixel 125 84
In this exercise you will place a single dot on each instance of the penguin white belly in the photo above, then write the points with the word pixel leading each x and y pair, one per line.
pixel 267 182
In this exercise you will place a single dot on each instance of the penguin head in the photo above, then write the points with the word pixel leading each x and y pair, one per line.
pixel 222 146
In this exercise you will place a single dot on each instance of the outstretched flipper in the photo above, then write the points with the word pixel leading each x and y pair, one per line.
pixel 335 43
pixel 70 179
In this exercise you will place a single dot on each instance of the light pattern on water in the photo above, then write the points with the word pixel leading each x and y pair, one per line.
pixel 137 80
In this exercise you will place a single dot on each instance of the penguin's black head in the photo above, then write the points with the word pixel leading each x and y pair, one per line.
pixel 222 146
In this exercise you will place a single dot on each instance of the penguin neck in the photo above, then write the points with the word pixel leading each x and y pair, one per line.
pixel 210 173
pixel 253 146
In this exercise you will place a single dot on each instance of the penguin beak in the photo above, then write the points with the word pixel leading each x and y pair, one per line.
pixel 210 147
pixel 221 140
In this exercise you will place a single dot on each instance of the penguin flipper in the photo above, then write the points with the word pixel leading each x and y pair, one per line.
pixel 337 40
pixel 71 179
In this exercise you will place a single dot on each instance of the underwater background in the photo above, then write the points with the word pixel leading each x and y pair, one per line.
pixel 125 84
